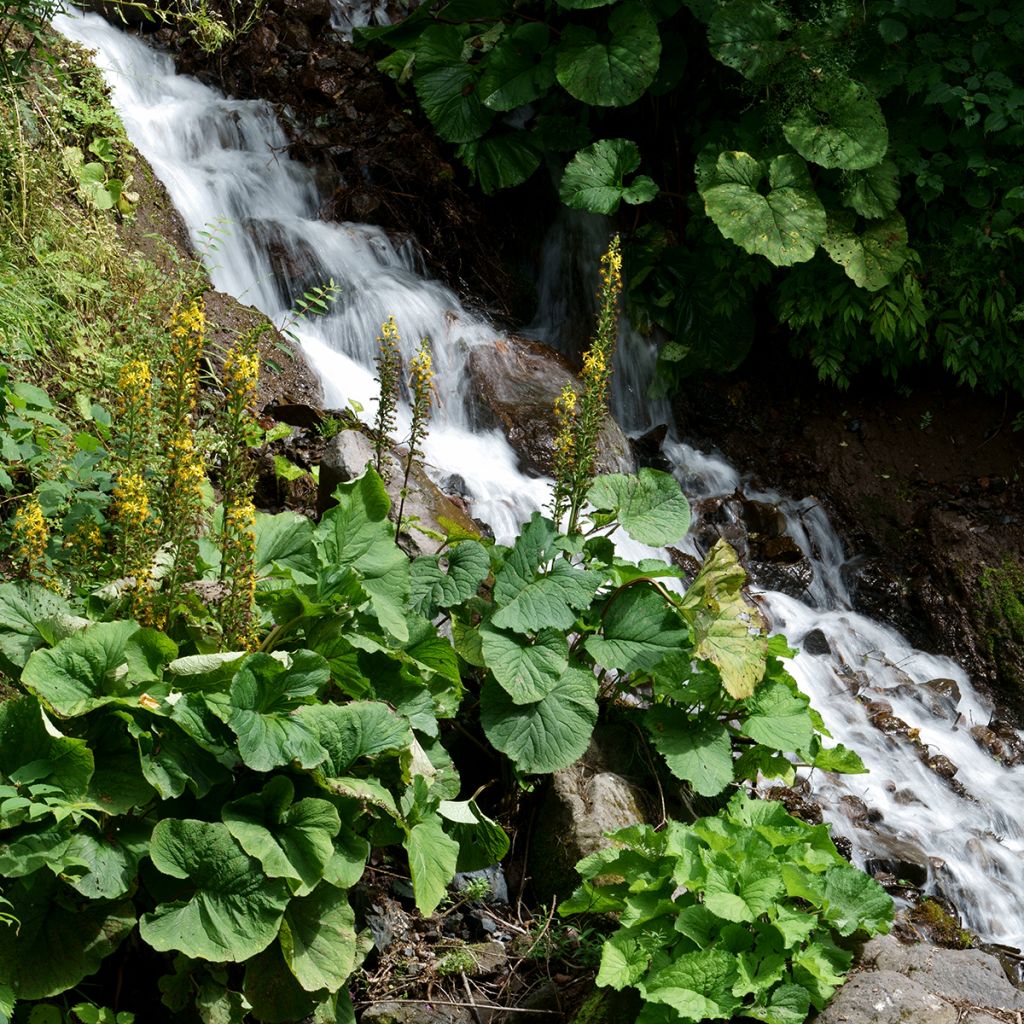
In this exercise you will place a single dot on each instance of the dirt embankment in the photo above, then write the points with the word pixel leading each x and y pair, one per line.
pixel 925 483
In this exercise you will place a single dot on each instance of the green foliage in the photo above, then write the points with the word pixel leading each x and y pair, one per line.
pixel 735 915
pixel 850 169
pixel 250 784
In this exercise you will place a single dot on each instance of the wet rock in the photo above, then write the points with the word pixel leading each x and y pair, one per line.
pixel 489 957
pixel 941 765
pixel 903 866
pixel 815 642
pixel 763 520
pixel 517 382
pixel 858 812
pixel 798 800
pixel 647 448
pixel 296 414
pixel 493 876
pixel 312 12
pixel 346 457
pixel 1013 745
pixel 792 578
pixel 885 997
pixel 970 975
pixel 988 740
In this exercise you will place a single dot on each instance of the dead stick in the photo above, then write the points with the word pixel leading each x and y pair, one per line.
pixel 467 1006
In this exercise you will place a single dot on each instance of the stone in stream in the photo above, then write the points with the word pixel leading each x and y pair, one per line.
pixel 517 382
pixel 815 642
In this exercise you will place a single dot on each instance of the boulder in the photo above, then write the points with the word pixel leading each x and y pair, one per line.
pixel 346 457
pixel 885 997
pixel 583 802
pixel 516 383
pixel 965 975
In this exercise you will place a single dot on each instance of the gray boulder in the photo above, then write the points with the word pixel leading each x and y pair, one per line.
pixel 517 382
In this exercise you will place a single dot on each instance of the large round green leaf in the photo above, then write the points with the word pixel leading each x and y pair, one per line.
pixel 27 611
pixel 786 225
pixel 318 939
pixel 111 860
pixel 745 35
pixel 500 161
pixel 264 693
pixel 614 67
pixel 639 628
pixel 527 669
pixel 234 911
pixel 872 192
pixel 872 258
pixel 841 126
pixel 549 734
pixel 291 840
pixel 650 505
pixel 594 179
pixel 107 663
pixel 58 941
pixel 449 97
pixel 520 69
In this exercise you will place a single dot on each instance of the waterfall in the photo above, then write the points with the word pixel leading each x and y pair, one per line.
pixel 224 163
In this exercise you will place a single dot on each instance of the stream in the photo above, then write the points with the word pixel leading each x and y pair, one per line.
pixel 225 167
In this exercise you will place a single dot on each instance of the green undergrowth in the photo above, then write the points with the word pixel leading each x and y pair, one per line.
pixel 213 717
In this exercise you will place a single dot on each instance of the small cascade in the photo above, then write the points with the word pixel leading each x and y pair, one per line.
pixel 910 715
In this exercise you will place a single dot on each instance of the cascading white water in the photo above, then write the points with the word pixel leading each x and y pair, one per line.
pixel 224 159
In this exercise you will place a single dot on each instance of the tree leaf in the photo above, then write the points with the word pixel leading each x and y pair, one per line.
pixel 520 69
pixel 696 985
pixel 785 226
pixel 745 35
pixel 638 629
pixel 529 596
pixel 649 505
pixel 235 910
pixel 86 670
pixel 872 192
pixel 874 257
pixel 594 179
pixel 727 631
pixel 841 125
pixel 549 734
pixel 58 941
pixel 500 161
pixel 291 840
pixel 318 939
pixel 356 533
pixel 528 670
pixel 450 98
pixel 697 752
pixel 25 610
pixel 779 719
pixel 432 860
pixel 264 693
pixel 612 69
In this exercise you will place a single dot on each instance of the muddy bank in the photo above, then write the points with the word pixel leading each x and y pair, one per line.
pixel 925 482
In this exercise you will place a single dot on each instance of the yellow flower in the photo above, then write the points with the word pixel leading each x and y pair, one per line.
pixel 30 534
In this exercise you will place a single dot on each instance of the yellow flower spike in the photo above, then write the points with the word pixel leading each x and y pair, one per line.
pixel 389 369
pixel 30 537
